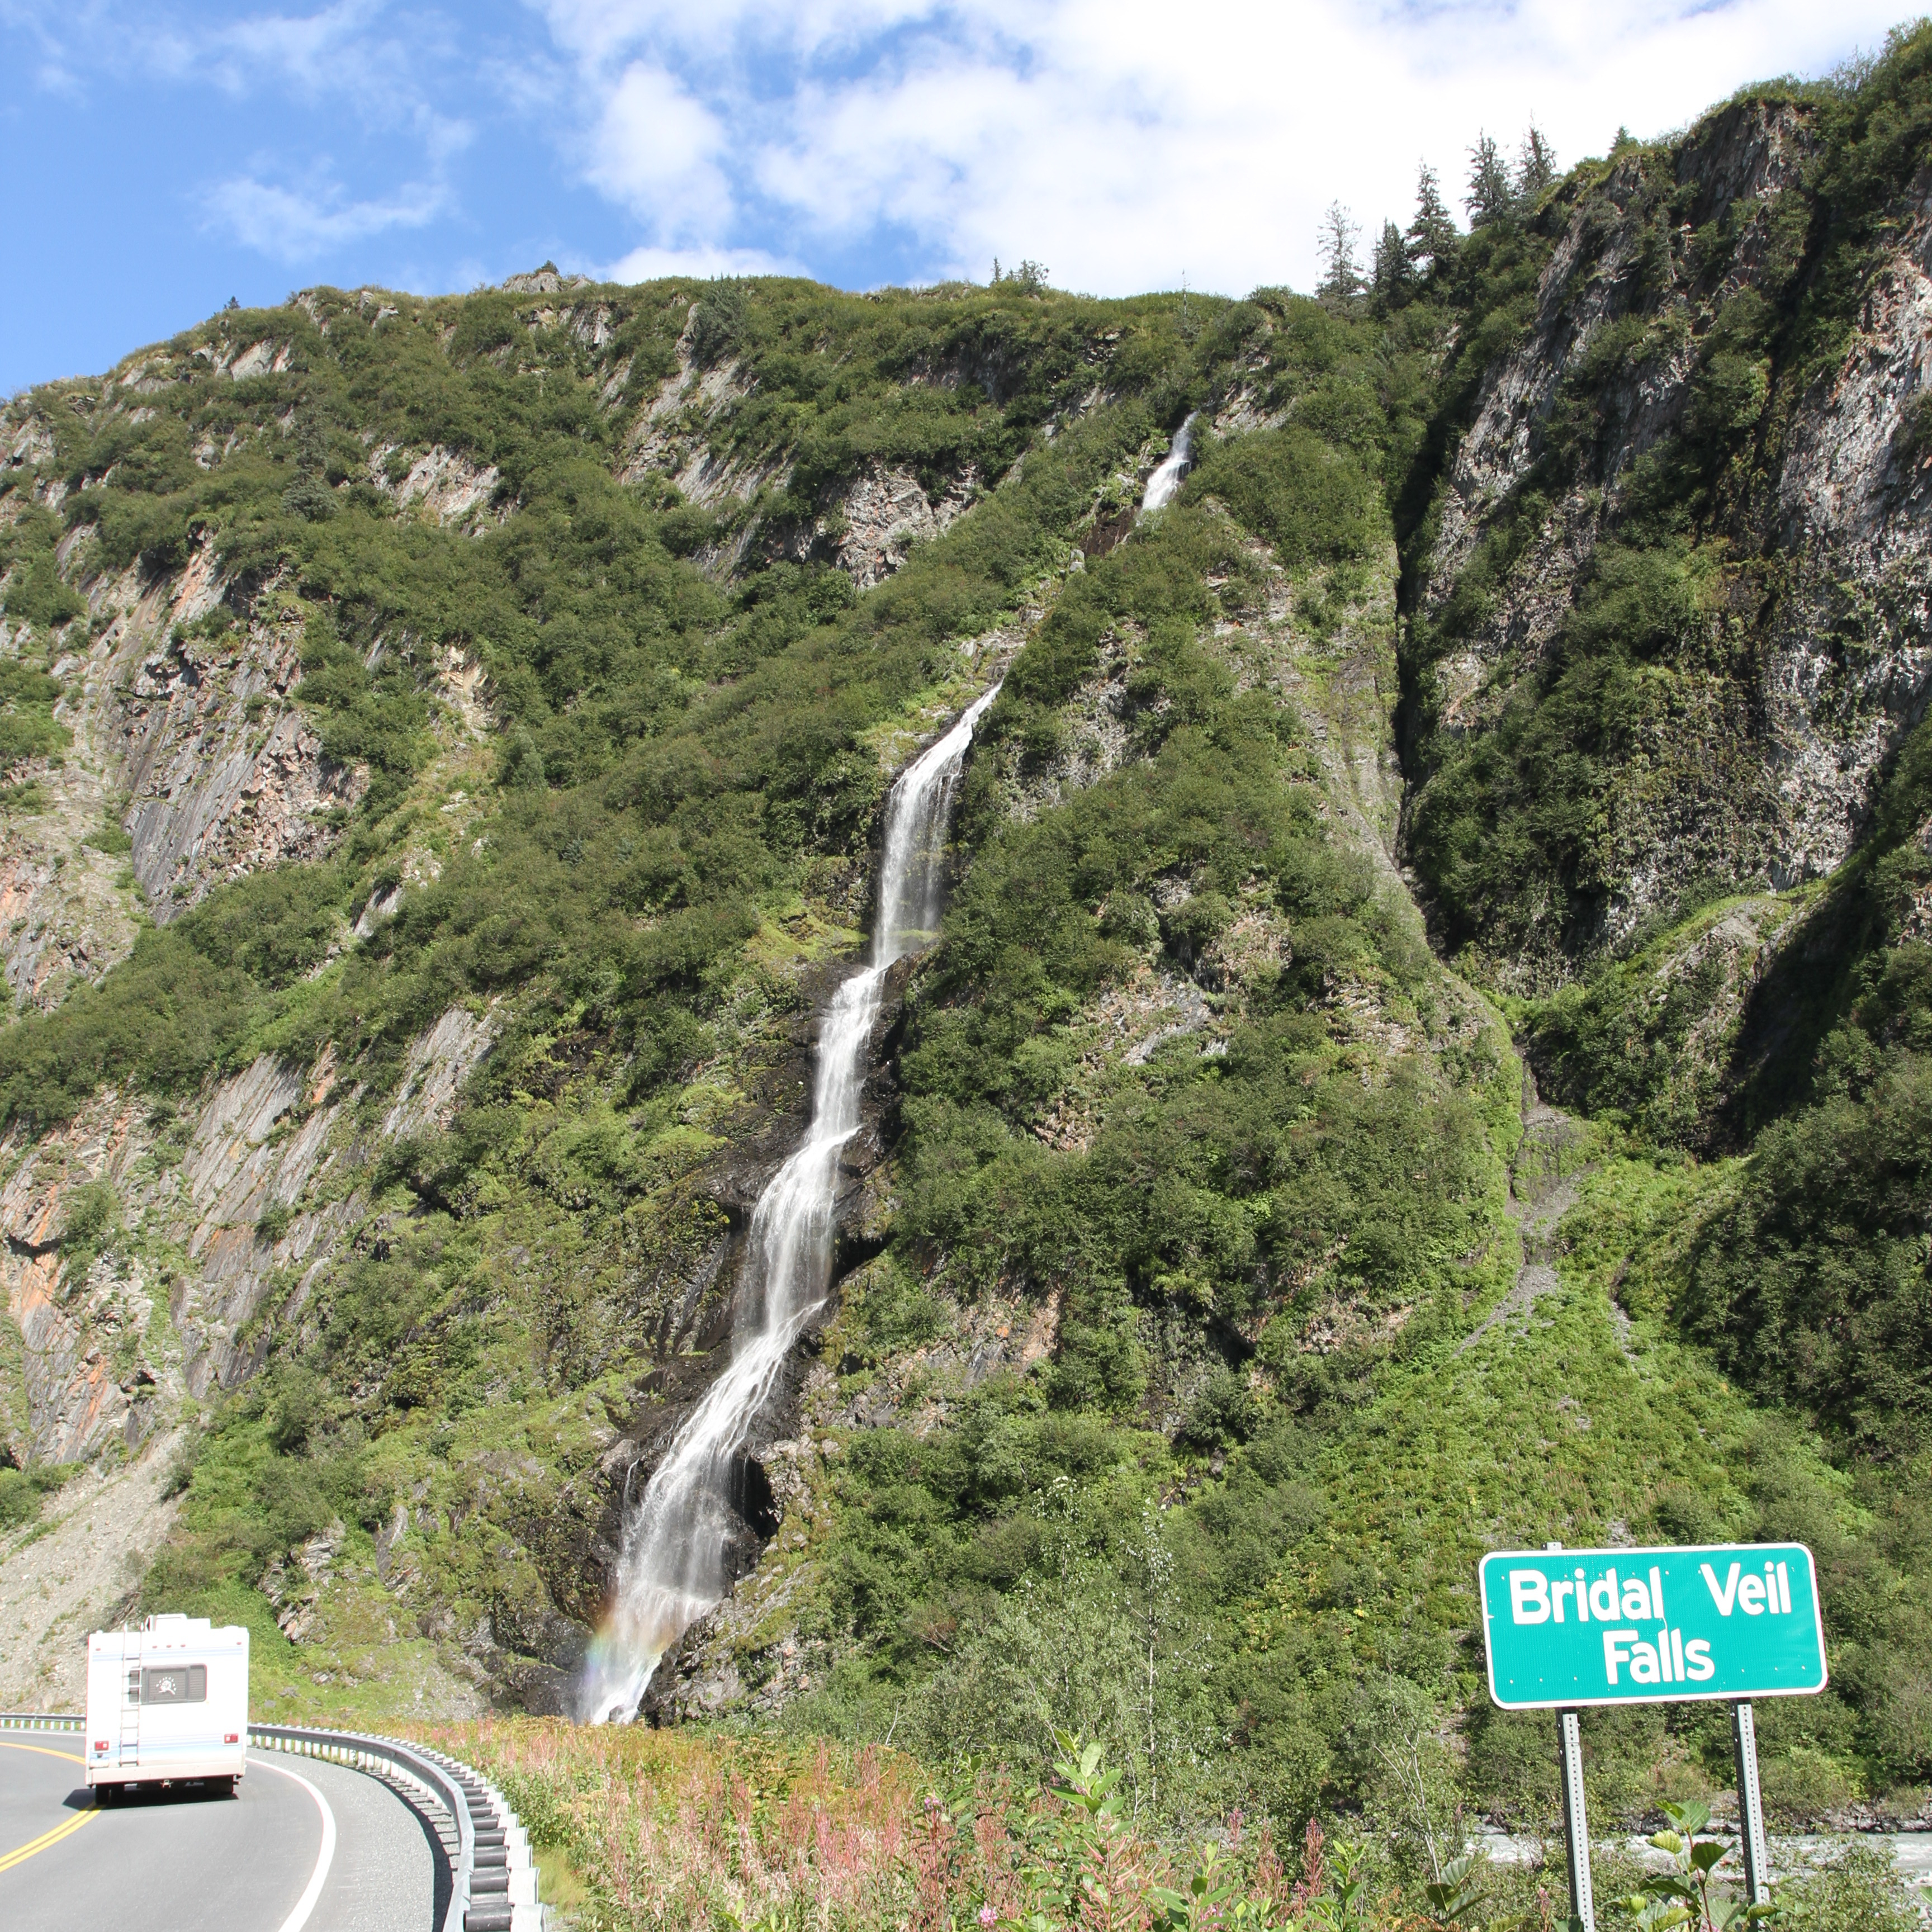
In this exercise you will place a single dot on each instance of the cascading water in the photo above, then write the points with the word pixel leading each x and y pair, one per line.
pixel 1165 481
pixel 672 1568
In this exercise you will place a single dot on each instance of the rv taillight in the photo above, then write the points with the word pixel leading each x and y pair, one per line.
pixel 232 1738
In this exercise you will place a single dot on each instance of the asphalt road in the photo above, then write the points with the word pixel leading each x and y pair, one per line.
pixel 179 1862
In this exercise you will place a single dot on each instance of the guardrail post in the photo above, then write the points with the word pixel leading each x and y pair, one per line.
pixel 1754 1846
pixel 1576 1822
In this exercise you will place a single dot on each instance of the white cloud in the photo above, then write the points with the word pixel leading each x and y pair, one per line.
pixel 657 149
pixel 39 22
pixel 317 53
pixel 378 62
pixel 1118 140
pixel 353 50
pixel 648 265
pixel 1121 142
pixel 358 58
pixel 294 227
pixel 601 31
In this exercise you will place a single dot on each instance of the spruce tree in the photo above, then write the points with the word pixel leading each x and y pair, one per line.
pixel 1535 167
pixel 1490 197
pixel 1342 274
pixel 1393 275
pixel 1432 235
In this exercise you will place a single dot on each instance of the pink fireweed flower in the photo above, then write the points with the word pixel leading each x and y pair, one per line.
pixel 987 1916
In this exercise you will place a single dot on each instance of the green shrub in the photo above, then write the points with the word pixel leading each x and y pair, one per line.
pixel 1818 1281
pixel 89 1223
pixel 22 1491
pixel 1308 496
pixel 1517 826
pixel 1858 1890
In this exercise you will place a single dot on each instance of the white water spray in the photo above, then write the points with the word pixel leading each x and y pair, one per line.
pixel 1165 481
pixel 672 1568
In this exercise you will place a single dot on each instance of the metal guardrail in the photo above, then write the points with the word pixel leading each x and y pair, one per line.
pixel 492 1879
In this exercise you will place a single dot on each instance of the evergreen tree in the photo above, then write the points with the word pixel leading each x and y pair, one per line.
pixel 1393 275
pixel 1342 274
pixel 1490 197
pixel 1535 167
pixel 1432 235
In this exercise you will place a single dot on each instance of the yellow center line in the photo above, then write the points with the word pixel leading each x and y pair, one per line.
pixel 47 1838
pixel 40 1750
pixel 23 1853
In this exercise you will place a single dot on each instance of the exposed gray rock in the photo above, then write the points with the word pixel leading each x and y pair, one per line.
pixel 64 915
pixel 886 512
pixel 227 776
pixel 443 484
pixel 194 745
pixel 544 281
pixel 218 1213
pixel 671 435
pixel 438 1065
pixel 1761 783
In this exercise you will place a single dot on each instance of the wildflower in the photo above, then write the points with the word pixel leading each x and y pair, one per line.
pixel 987 1916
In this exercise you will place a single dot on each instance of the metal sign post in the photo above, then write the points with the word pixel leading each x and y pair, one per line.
pixel 1730 1622
pixel 1576 1823
pixel 1750 1808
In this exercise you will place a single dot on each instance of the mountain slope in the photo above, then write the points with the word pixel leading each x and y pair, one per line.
pixel 446 743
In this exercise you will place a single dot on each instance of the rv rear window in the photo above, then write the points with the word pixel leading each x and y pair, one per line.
pixel 175 1684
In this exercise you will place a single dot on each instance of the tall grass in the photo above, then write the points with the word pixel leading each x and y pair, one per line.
pixel 688 1828
pixel 700 1829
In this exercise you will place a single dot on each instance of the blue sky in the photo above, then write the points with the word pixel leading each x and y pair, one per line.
pixel 166 157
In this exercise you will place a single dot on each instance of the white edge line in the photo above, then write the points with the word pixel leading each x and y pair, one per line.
pixel 305 1905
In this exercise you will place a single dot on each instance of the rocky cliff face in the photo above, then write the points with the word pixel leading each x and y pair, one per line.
pixel 190 764
pixel 1676 391
pixel 223 774
pixel 208 1219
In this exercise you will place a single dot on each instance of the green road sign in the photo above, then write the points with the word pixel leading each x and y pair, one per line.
pixel 1573 1627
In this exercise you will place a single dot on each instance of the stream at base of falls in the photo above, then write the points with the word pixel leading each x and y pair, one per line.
pixel 672 1567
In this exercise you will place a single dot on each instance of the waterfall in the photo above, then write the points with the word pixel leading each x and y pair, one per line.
pixel 671 1570
pixel 1165 481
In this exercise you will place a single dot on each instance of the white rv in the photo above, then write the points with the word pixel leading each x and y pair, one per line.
pixel 166 1704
